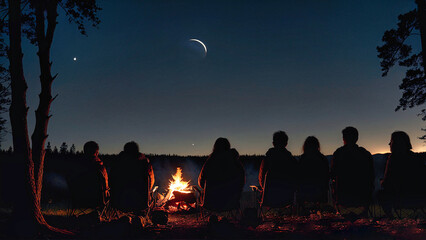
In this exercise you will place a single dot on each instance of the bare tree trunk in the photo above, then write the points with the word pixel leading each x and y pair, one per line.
pixel 44 40
pixel 27 217
pixel 421 9
pixel 26 211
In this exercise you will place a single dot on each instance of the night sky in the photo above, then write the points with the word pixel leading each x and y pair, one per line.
pixel 305 67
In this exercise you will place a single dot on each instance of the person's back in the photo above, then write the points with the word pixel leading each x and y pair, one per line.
pixel 405 171
pixel 279 165
pixel 131 178
pixel 404 181
pixel 222 178
pixel 352 171
pixel 278 173
pixel 89 188
pixel 313 173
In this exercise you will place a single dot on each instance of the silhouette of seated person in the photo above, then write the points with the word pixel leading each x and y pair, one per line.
pixel 313 173
pixel 277 174
pixel 89 188
pixel 131 180
pixel 352 173
pixel 222 178
pixel 404 181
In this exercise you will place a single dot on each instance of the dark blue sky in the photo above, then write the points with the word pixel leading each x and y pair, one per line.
pixel 305 67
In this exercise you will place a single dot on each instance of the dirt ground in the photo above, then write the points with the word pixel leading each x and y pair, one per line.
pixel 307 227
pixel 274 226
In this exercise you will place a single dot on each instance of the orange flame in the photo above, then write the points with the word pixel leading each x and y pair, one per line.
pixel 177 184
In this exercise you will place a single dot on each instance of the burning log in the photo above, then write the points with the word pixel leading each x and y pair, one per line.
pixel 182 200
pixel 188 197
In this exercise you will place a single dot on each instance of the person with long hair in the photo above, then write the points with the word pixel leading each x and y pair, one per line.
pixel 405 174
pixel 222 178
pixel 313 173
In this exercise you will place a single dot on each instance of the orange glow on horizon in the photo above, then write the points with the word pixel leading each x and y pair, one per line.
pixel 416 149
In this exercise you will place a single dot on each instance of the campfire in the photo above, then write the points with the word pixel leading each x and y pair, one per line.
pixel 180 195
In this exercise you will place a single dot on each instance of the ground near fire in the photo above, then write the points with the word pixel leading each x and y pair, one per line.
pixel 180 217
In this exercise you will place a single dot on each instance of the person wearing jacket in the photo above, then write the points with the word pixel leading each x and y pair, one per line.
pixel 405 175
pixel 278 174
pixel 89 187
pixel 222 178
pixel 96 166
pixel 131 180
pixel 352 173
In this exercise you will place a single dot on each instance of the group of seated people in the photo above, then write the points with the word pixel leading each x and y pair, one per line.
pixel 351 174
pixel 127 185
pixel 281 175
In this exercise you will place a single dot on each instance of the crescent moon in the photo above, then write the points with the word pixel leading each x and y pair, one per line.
pixel 198 41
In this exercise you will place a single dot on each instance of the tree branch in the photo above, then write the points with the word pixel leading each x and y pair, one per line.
pixel 395 52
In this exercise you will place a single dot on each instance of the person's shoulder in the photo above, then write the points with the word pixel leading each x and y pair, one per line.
pixel 234 153
pixel 287 152
pixel 363 150
pixel 339 151
pixel 418 157
pixel 288 155
pixel 142 159
pixel 142 156
pixel 341 148
pixel 319 155
pixel 275 153
pixel 270 151
pixel 98 161
pixel 324 159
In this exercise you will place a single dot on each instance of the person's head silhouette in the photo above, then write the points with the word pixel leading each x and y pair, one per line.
pixel 400 142
pixel 311 145
pixel 350 135
pixel 280 139
pixel 221 145
pixel 131 148
pixel 91 148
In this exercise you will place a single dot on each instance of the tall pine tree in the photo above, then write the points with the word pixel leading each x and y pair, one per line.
pixel 396 50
